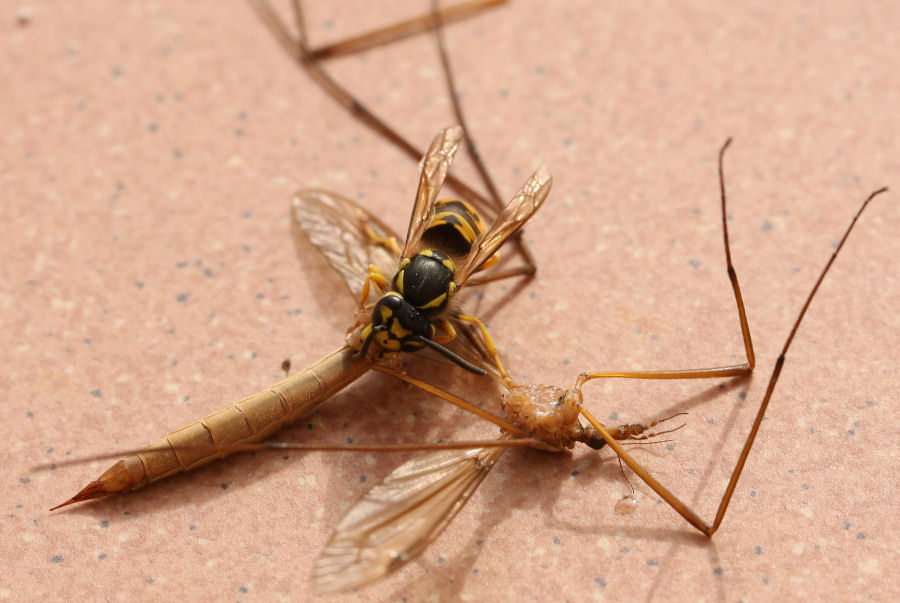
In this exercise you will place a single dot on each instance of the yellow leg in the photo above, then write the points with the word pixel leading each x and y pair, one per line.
pixel 487 341
pixel 389 243
pixel 444 332
pixel 375 278
pixel 380 282
pixel 490 262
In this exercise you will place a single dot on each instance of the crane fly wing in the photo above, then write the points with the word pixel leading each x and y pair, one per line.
pixel 432 171
pixel 514 215
pixel 347 235
pixel 398 518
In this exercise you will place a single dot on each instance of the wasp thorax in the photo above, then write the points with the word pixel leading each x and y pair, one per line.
pixel 426 280
pixel 547 411
pixel 397 325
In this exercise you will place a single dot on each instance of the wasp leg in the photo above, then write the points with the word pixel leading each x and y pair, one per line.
pixel 488 263
pixel 377 279
pixel 444 332
pixel 492 349
pixel 389 243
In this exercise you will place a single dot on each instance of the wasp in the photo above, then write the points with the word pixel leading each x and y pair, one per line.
pixel 446 243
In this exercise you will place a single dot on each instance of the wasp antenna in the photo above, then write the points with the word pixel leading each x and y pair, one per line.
pixel 454 357
pixel 367 342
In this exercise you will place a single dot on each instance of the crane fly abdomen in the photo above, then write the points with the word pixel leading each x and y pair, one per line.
pixel 250 420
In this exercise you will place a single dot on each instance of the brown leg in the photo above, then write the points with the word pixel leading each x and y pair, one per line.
pixel 674 501
pixel 736 370
pixel 298 47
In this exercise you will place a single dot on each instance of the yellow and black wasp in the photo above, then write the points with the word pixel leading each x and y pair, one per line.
pixel 446 243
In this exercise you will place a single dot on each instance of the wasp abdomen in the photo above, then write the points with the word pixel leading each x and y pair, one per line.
pixel 454 228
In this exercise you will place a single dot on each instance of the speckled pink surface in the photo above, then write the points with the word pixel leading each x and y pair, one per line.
pixel 148 152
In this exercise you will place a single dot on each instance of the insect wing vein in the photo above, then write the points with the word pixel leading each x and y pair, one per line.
pixel 343 232
pixel 433 170
pixel 518 211
pixel 398 518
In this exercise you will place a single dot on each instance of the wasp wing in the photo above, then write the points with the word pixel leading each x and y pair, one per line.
pixel 514 215
pixel 347 235
pixel 432 171
pixel 398 518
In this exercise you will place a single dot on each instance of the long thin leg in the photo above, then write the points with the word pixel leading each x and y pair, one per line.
pixel 736 370
pixel 465 405
pixel 739 467
pixel 403 29
pixel 299 50
pixel 530 267
pixel 657 487
pixel 434 20
pixel 493 193
pixel 309 59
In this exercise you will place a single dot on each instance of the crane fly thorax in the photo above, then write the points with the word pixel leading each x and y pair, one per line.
pixel 548 412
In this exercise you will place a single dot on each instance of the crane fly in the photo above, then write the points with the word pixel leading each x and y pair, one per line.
pixel 357 554
pixel 395 520
pixel 371 243
pixel 767 396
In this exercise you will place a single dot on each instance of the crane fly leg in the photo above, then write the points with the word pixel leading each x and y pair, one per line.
pixel 682 509
pixel 402 29
pixel 296 44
